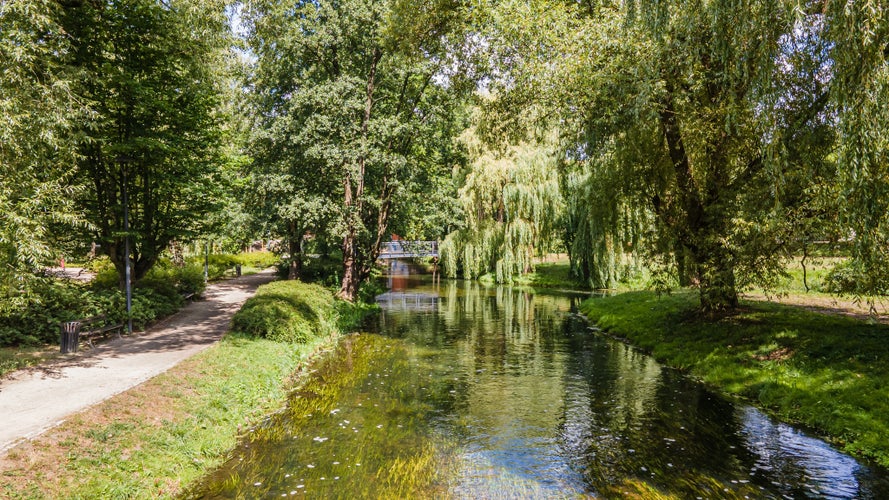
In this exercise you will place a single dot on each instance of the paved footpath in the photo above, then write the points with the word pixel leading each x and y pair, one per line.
pixel 39 398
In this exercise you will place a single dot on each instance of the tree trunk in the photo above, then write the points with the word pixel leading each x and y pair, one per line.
pixel 700 230
pixel 294 271
pixel 353 202
pixel 684 269
pixel 349 287
pixel 716 273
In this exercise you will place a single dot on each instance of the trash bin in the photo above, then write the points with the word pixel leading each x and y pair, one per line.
pixel 237 269
pixel 70 336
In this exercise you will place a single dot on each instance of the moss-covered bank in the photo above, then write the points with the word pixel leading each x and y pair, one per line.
pixel 826 372
pixel 154 440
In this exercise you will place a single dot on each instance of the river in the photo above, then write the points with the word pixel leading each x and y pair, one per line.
pixel 464 391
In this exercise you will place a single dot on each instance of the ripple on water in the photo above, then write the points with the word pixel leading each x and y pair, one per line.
pixel 507 395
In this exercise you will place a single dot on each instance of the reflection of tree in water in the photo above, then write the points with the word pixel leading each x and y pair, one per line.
pixel 531 404
pixel 513 395
pixel 632 424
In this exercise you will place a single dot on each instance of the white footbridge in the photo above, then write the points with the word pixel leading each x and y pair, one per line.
pixel 404 249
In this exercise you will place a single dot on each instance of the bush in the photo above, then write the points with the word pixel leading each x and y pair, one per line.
pixel 845 277
pixel 288 311
pixel 220 264
pixel 164 278
pixel 325 271
pixel 260 260
pixel 33 315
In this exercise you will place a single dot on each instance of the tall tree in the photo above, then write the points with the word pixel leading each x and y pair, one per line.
pixel 38 109
pixel 150 78
pixel 349 93
pixel 680 109
pixel 858 32
pixel 512 206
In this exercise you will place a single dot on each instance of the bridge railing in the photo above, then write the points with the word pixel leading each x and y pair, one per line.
pixel 407 248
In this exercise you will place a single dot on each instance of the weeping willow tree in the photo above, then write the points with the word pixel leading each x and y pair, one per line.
pixel 512 206
pixel 684 122
pixel 859 35
pixel 602 230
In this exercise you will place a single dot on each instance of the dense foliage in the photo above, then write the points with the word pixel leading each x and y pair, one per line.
pixel 350 100
pixel 150 74
pixel 512 209
pixel 288 311
pixel 713 138
pixel 710 140
pixel 36 316
pixel 38 111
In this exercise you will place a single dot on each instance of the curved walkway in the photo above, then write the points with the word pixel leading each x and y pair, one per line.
pixel 41 397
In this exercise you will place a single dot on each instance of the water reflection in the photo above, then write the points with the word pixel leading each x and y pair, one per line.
pixel 402 301
pixel 796 464
pixel 492 392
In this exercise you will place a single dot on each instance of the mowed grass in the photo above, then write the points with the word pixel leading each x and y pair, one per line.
pixel 826 372
pixel 554 271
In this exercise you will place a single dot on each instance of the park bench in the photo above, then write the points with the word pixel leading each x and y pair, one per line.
pixel 73 331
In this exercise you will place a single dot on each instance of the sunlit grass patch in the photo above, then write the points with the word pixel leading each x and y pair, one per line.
pixel 16 358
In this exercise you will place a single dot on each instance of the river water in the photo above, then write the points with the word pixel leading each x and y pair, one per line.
pixel 465 391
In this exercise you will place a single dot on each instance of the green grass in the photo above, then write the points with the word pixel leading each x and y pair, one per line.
pixel 555 274
pixel 550 275
pixel 16 358
pixel 828 373
pixel 231 386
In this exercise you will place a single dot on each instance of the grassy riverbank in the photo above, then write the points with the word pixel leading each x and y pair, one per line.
pixel 155 439
pixel 552 272
pixel 826 372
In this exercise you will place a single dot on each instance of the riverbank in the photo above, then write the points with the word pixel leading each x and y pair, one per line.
pixel 826 372
pixel 552 272
pixel 155 439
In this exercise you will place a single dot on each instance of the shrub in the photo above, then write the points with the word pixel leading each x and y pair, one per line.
pixel 164 278
pixel 33 315
pixel 326 271
pixel 220 264
pixel 150 305
pixel 845 277
pixel 288 311
pixel 261 260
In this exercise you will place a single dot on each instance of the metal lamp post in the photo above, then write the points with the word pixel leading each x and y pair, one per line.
pixel 127 266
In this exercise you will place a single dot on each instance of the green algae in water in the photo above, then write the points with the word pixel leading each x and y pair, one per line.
pixel 358 427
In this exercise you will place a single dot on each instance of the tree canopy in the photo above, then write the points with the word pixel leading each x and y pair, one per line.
pixel 350 96
pixel 710 139
pixel 512 207
pixel 704 131
pixel 38 113
pixel 150 75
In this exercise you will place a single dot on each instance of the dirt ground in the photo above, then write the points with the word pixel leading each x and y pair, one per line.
pixel 42 397
pixel 861 309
